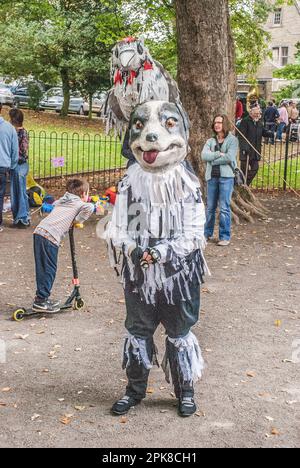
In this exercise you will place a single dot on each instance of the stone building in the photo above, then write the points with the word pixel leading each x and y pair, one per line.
pixel 283 25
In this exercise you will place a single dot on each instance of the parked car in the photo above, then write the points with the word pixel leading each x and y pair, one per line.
pixel 6 96
pixel 97 104
pixel 53 100
pixel 22 95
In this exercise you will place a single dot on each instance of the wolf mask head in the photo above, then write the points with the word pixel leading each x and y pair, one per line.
pixel 159 133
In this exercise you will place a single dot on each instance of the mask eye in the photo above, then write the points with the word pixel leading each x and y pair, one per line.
pixel 171 122
pixel 139 125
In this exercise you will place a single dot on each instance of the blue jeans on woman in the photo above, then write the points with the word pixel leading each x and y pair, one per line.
pixel 19 198
pixel 219 190
pixel 3 173
pixel 280 130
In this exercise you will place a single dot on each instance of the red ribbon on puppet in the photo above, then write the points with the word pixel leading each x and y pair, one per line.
pixel 118 78
pixel 148 65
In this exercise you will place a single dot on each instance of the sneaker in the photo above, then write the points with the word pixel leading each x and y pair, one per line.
pixel 46 306
pixel 21 225
pixel 223 243
pixel 187 407
pixel 123 405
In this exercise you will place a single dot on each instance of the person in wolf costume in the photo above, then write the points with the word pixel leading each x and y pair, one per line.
pixel 158 226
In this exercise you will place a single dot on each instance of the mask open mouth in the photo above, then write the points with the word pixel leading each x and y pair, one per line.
pixel 150 156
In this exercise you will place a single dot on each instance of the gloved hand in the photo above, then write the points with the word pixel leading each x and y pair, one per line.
pixel 150 257
pixel 136 255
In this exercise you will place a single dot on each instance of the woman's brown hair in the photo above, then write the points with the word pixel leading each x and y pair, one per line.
pixel 226 124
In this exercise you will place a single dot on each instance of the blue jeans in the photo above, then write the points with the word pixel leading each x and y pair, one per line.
pixel 3 172
pixel 45 255
pixel 280 129
pixel 219 190
pixel 19 198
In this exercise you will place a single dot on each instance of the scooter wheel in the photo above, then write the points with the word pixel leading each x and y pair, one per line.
pixel 18 315
pixel 79 304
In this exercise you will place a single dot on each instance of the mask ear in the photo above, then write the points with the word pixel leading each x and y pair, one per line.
pixel 185 119
pixel 140 48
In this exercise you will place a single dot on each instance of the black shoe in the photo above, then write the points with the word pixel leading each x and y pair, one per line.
pixel 186 407
pixel 123 405
pixel 46 306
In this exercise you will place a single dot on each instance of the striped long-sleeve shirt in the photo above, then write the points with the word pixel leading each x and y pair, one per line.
pixel 67 209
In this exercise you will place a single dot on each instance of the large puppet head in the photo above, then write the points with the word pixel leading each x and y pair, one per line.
pixel 159 133
pixel 130 54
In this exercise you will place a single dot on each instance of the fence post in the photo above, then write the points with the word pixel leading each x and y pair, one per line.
pixel 286 160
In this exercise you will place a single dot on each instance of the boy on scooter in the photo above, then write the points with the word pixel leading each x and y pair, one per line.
pixel 48 235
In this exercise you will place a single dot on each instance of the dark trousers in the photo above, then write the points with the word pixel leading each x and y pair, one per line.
pixel 270 126
pixel 3 176
pixel 45 254
pixel 253 166
pixel 142 321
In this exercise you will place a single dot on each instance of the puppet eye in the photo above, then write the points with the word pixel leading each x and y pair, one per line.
pixel 171 122
pixel 139 125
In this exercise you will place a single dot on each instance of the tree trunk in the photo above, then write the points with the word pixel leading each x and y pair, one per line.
pixel 66 92
pixel 206 75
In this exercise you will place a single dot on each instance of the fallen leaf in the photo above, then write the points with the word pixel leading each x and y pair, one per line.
pixel 5 389
pixel 60 399
pixel 79 408
pixel 2 403
pixel 268 418
pixel 278 323
pixel 66 419
pixel 35 416
pixel 275 431
pixel 21 337
pixel 150 390
pixel 251 374
pixel 123 420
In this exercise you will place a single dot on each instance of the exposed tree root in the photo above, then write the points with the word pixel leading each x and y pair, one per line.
pixel 245 205
pixel 240 212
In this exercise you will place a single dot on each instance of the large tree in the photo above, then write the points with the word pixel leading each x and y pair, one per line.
pixel 207 79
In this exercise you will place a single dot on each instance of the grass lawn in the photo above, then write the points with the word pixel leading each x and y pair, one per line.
pixel 81 144
pixel 271 177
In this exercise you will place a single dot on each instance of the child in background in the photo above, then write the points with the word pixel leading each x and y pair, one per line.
pixel 70 208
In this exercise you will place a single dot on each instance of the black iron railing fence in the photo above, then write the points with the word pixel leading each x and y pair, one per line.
pixel 56 156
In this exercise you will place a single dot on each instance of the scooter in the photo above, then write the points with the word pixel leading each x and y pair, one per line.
pixel 74 301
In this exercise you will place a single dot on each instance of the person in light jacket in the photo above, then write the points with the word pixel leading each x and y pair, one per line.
pixel 220 154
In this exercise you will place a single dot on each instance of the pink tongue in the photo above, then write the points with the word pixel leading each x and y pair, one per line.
pixel 150 156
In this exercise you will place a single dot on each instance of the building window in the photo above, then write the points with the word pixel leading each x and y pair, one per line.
pixel 278 17
pixel 276 55
pixel 284 56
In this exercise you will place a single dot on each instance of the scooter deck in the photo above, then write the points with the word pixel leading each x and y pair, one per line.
pixel 23 312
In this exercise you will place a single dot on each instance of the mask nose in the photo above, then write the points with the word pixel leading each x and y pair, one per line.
pixel 152 137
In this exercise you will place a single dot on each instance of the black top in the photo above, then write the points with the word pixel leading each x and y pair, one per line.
pixel 216 170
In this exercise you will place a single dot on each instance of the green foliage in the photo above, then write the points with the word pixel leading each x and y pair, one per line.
pixel 35 94
pixel 52 39
pixel 288 92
